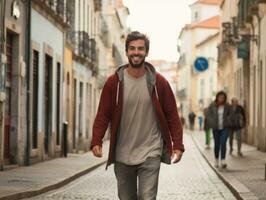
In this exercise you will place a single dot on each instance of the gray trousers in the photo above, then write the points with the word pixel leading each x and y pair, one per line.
pixel 138 182
pixel 238 139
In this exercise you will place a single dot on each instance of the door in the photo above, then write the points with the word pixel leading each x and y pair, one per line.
pixel 7 115
pixel 47 102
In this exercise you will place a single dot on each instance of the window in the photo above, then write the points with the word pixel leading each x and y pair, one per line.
pixel 80 108
pixel 196 16
pixel 35 99
pixel 58 86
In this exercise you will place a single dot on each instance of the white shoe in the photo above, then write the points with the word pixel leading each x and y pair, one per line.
pixel 223 163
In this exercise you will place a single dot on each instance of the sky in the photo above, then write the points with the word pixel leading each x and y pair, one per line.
pixel 161 21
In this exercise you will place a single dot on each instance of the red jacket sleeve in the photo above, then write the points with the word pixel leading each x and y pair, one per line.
pixel 103 115
pixel 172 117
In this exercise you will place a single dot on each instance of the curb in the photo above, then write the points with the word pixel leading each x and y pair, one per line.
pixel 239 190
pixel 32 193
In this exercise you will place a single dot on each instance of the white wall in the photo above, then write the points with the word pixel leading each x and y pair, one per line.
pixel 209 77
pixel 203 11
pixel 41 32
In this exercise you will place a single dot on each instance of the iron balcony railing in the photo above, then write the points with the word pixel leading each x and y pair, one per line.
pixel 246 10
pixel 98 5
pixel 84 46
pixel 61 9
pixel 56 8
pixel 229 33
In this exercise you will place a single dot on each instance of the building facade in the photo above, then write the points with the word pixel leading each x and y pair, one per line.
pixel 242 46
pixel 46 79
pixel 207 80
pixel 204 24
pixel 55 57
pixel 12 102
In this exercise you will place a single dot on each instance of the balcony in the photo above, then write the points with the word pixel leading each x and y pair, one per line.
pixel 55 8
pixel 98 5
pixel 60 9
pixel 84 47
pixel 247 9
pixel 70 14
pixel 229 33
pixel 253 8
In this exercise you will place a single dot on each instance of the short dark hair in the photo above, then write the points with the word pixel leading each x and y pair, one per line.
pixel 221 93
pixel 135 35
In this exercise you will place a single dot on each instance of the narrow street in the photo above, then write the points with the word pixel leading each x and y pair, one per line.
pixel 191 179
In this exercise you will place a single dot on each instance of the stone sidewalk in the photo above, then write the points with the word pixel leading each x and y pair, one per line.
pixel 29 181
pixel 245 176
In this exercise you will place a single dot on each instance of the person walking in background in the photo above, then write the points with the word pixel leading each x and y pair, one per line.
pixel 238 123
pixel 145 126
pixel 207 130
pixel 191 119
pixel 219 120
pixel 200 118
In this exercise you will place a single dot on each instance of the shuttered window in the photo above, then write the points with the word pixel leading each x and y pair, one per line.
pixel 35 99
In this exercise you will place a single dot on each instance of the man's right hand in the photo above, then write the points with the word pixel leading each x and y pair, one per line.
pixel 97 151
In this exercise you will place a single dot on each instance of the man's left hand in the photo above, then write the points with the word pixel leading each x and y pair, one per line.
pixel 176 156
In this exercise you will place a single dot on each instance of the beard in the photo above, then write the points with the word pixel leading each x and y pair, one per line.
pixel 136 65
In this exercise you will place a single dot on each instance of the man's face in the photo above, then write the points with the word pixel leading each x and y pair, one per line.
pixel 136 53
pixel 234 102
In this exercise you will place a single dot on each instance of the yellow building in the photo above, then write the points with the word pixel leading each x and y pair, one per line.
pixel 68 92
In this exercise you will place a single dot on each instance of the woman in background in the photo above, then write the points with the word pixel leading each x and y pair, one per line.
pixel 219 120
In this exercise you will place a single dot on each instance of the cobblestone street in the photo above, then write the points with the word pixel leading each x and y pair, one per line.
pixel 191 179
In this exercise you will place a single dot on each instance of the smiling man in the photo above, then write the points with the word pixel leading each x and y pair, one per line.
pixel 145 127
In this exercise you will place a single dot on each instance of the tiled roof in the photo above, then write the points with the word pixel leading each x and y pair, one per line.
pixel 211 2
pixel 207 39
pixel 213 22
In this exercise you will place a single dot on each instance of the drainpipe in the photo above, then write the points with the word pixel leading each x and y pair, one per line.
pixel 2 94
pixel 2 27
pixel 28 59
pixel 258 57
pixel 2 18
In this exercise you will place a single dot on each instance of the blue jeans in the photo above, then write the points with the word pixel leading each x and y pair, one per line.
pixel 220 138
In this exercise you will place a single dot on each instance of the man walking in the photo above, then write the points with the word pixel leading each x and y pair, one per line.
pixel 144 123
pixel 191 119
pixel 238 122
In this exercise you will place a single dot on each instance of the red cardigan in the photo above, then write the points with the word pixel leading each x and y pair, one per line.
pixel 110 109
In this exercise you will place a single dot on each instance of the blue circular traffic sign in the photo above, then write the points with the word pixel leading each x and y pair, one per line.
pixel 201 64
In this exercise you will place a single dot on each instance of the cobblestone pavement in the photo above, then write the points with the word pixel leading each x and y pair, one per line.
pixel 191 179
pixel 246 175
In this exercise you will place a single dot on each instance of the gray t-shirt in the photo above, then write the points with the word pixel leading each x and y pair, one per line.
pixel 139 135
